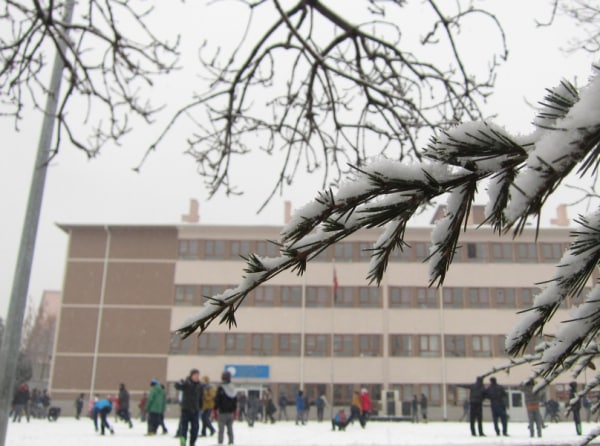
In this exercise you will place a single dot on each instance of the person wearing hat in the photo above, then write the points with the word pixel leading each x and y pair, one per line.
pixel 191 402
pixel 208 405
pixel 226 404
pixel 576 407
pixel 155 406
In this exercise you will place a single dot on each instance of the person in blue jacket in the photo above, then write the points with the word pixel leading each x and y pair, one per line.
pixel 102 407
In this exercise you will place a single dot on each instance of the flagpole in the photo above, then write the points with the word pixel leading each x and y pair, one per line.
pixel 302 330
pixel 333 301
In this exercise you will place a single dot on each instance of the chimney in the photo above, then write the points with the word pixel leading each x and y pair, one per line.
pixel 562 218
pixel 193 215
pixel 287 212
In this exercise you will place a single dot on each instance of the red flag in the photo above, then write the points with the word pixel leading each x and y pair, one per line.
pixel 335 284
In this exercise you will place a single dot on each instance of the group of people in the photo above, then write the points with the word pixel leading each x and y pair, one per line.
pixel 198 400
pixel 498 399
pixel 361 408
pixel 33 403
pixel 417 403
pixel 498 402
pixel 100 408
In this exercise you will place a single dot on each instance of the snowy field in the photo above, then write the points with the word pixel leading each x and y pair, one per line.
pixel 70 432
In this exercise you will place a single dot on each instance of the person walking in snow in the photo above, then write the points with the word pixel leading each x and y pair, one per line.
pixel 191 402
pixel 498 398
pixel 252 411
pixel 355 406
pixel 477 393
pixel 466 410
pixel 102 408
pixel 20 403
pixel 532 403
pixel 208 405
pixel 414 404
pixel 142 407
pixel 366 406
pixel 123 399
pixel 575 408
pixel 423 403
pixel 300 407
pixel 226 404
pixel 321 403
pixel 78 406
pixel 282 402
pixel 155 406
pixel 269 406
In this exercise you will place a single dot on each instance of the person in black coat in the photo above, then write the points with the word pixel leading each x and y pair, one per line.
pixel 123 411
pixel 191 401
pixel 477 394
pixel 498 397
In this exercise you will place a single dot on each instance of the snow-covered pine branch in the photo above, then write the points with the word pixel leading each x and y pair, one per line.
pixel 523 172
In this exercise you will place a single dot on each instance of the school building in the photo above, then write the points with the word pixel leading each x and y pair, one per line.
pixel 128 287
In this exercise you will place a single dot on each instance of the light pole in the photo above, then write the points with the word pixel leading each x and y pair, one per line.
pixel 11 340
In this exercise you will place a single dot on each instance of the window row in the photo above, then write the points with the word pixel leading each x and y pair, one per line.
pixel 370 296
pixel 520 252
pixel 344 345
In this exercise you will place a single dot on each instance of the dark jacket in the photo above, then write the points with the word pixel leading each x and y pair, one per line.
pixel 477 392
pixel 497 394
pixel 226 399
pixel 123 399
pixel 191 394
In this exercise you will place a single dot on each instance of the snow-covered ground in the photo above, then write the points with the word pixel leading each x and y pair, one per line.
pixel 70 432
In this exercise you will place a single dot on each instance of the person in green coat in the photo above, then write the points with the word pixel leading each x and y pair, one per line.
pixel 155 406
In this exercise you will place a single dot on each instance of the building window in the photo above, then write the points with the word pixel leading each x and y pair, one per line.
pixel 369 297
pixel 401 345
pixel 400 297
pixel 479 297
pixel 365 250
pixel 344 297
pixel 551 252
pixel 429 345
pixel 343 345
pixel 477 252
pixel 262 344
pixel 343 251
pixel 235 343
pixel 502 252
pixel 208 344
pixel 240 248
pixel 432 392
pixel 208 291
pixel 180 346
pixel 267 249
pixel 318 296
pixel 453 297
pixel 427 298
pixel 421 250
pixel 402 255
pixel 214 249
pixel 188 250
pixel 505 298
pixel 481 346
pixel 527 252
pixel 501 345
pixel 185 294
pixel 264 296
pixel 289 345
pixel 316 345
pixel 369 345
pixel 291 296
pixel 526 296
pixel 342 393
pixel 455 345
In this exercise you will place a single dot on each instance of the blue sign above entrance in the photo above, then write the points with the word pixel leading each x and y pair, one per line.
pixel 248 371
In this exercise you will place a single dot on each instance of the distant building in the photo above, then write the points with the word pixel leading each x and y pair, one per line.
pixel 40 343
pixel 128 287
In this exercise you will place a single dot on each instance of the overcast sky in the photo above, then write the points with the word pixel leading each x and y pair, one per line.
pixel 106 190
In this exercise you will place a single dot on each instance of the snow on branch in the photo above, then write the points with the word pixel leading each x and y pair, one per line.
pixel 523 171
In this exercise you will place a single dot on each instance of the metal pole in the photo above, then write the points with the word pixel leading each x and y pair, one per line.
pixel 11 341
